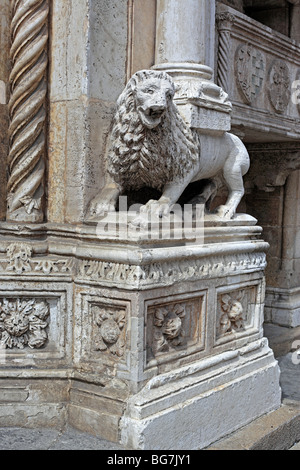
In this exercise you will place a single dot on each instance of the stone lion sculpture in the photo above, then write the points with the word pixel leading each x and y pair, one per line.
pixel 152 146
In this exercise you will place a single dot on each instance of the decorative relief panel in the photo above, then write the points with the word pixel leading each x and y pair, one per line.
pixel 23 322
pixel 109 336
pixel 101 332
pixel 235 312
pixel 250 71
pixel 279 86
pixel 175 326
pixel 19 260
pixel 232 318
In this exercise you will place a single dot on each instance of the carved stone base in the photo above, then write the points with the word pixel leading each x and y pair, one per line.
pixel 194 406
pixel 139 333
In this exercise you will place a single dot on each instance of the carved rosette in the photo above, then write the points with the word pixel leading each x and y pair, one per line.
pixel 27 108
pixel 23 323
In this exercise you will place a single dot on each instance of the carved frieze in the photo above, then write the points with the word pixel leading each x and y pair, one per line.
pixel 111 329
pixel 279 86
pixel 19 260
pixel 169 272
pixel 250 71
pixel 23 322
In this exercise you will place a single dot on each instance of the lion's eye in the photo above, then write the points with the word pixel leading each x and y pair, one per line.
pixel 150 91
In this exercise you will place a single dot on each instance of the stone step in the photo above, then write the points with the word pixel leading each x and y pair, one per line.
pixel 278 430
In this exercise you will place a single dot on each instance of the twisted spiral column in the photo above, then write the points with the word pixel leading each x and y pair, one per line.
pixel 224 45
pixel 27 108
pixel 224 22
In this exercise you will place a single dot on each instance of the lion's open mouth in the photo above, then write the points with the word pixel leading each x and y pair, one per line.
pixel 155 113
pixel 151 117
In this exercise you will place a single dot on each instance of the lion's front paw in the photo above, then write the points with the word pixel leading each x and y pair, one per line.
pixel 155 208
pixel 152 211
pixel 224 212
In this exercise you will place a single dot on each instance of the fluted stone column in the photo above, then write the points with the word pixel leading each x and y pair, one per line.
pixel 185 41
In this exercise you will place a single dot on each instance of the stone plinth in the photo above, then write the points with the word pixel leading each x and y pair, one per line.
pixel 156 343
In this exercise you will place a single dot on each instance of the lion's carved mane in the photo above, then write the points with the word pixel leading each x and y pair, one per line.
pixel 140 157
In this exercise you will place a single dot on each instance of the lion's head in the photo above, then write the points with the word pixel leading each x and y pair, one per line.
pixel 150 143
pixel 152 92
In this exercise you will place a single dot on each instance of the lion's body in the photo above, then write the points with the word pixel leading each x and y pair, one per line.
pixel 151 145
pixel 220 151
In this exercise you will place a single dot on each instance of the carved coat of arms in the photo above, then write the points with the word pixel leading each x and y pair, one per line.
pixel 250 71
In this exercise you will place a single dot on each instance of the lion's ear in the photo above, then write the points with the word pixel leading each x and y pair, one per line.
pixel 135 79
pixel 133 83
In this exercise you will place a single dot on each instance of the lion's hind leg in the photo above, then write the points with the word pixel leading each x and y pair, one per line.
pixel 237 164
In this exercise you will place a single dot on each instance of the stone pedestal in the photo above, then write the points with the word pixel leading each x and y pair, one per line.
pixel 156 343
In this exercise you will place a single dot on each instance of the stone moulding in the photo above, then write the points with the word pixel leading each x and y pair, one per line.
pixel 27 108
pixel 169 272
pixel 132 275
pixel 133 264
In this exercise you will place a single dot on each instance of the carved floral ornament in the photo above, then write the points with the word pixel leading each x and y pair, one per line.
pixel 110 335
pixel 232 313
pixel 23 323
pixel 169 331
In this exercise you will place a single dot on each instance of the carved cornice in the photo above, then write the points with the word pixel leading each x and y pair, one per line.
pixel 27 108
